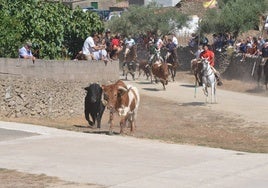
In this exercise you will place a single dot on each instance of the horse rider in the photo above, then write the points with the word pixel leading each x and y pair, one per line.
pixel 175 40
pixel 208 54
pixel 171 49
pixel 264 54
pixel 155 49
pixel 129 42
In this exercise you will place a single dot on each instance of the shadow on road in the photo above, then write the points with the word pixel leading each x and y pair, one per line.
pixel 94 130
pixel 193 104
pixel 186 85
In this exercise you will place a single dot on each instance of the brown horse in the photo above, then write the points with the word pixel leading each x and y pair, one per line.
pixel 196 68
pixel 172 61
pixel 264 69
pixel 130 62
pixel 160 71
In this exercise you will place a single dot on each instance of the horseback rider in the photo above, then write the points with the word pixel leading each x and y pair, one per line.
pixel 155 49
pixel 129 42
pixel 171 50
pixel 264 53
pixel 208 54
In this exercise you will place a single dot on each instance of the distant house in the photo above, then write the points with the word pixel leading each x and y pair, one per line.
pixel 163 3
pixel 97 4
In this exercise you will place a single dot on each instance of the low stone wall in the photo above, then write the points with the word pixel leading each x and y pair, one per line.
pixel 91 71
pixel 50 89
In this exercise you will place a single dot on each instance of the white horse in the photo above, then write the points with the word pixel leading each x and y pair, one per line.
pixel 209 80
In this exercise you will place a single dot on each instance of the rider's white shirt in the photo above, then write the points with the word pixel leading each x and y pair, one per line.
pixel 175 40
pixel 159 43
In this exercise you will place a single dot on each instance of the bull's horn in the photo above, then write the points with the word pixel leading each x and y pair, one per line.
pixel 122 88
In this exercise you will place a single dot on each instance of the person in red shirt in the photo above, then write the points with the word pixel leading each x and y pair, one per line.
pixel 116 47
pixel 208 54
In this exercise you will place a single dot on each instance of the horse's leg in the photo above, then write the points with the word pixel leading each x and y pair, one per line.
pixel 215 90
pixel 175 72
pixel 205 89
pixel 163 83
pixel 212 92
pixel 259 73
pixel 265 71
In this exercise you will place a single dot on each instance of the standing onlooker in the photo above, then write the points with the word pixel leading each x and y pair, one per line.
pixel 108 41
pixel 116 47
pixel 26 53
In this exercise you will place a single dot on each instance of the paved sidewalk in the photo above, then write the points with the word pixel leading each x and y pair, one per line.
pixel 126 162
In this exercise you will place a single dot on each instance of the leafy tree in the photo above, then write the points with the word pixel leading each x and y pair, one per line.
pixel 236 16
pixel 53 28
pixel 141 19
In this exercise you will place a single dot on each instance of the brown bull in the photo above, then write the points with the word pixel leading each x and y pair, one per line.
pixel 123 99
pixel 160 71
pixel 145 67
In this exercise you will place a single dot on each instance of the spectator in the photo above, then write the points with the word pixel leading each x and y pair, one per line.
pixel 26 53
pixel 242 48
pixel 260 42
pixel 198 52
pixel 193 40
pixel 229 39
pixel 93 51
pixel 116 46
pixel 108 41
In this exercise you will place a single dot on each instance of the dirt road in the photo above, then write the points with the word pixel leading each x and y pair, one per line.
pixel 249 107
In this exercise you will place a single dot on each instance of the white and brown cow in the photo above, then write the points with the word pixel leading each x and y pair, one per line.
pixel 123 99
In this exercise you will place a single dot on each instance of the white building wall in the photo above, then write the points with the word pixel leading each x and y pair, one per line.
pixel 164 3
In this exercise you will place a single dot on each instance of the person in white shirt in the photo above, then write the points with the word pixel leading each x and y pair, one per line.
pixel 93 51
pixel 26 53
pixel 129 42
pixel 159 43
pixel 175 40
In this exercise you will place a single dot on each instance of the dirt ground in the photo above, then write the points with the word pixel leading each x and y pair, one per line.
pixel 157 119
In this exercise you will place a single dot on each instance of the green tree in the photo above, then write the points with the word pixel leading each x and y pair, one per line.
pixel 235 16
pixel 141 19
pixel 53 28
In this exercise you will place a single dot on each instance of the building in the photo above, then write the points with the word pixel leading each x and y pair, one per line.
pixel 163 3
pixel 97 4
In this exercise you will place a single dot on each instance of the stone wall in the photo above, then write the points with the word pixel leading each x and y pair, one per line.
pixel 55 89
pixel 49 89
pixel 90 71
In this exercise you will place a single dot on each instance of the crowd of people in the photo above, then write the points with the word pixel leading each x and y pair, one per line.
pixel 247 47
pixel 107 46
